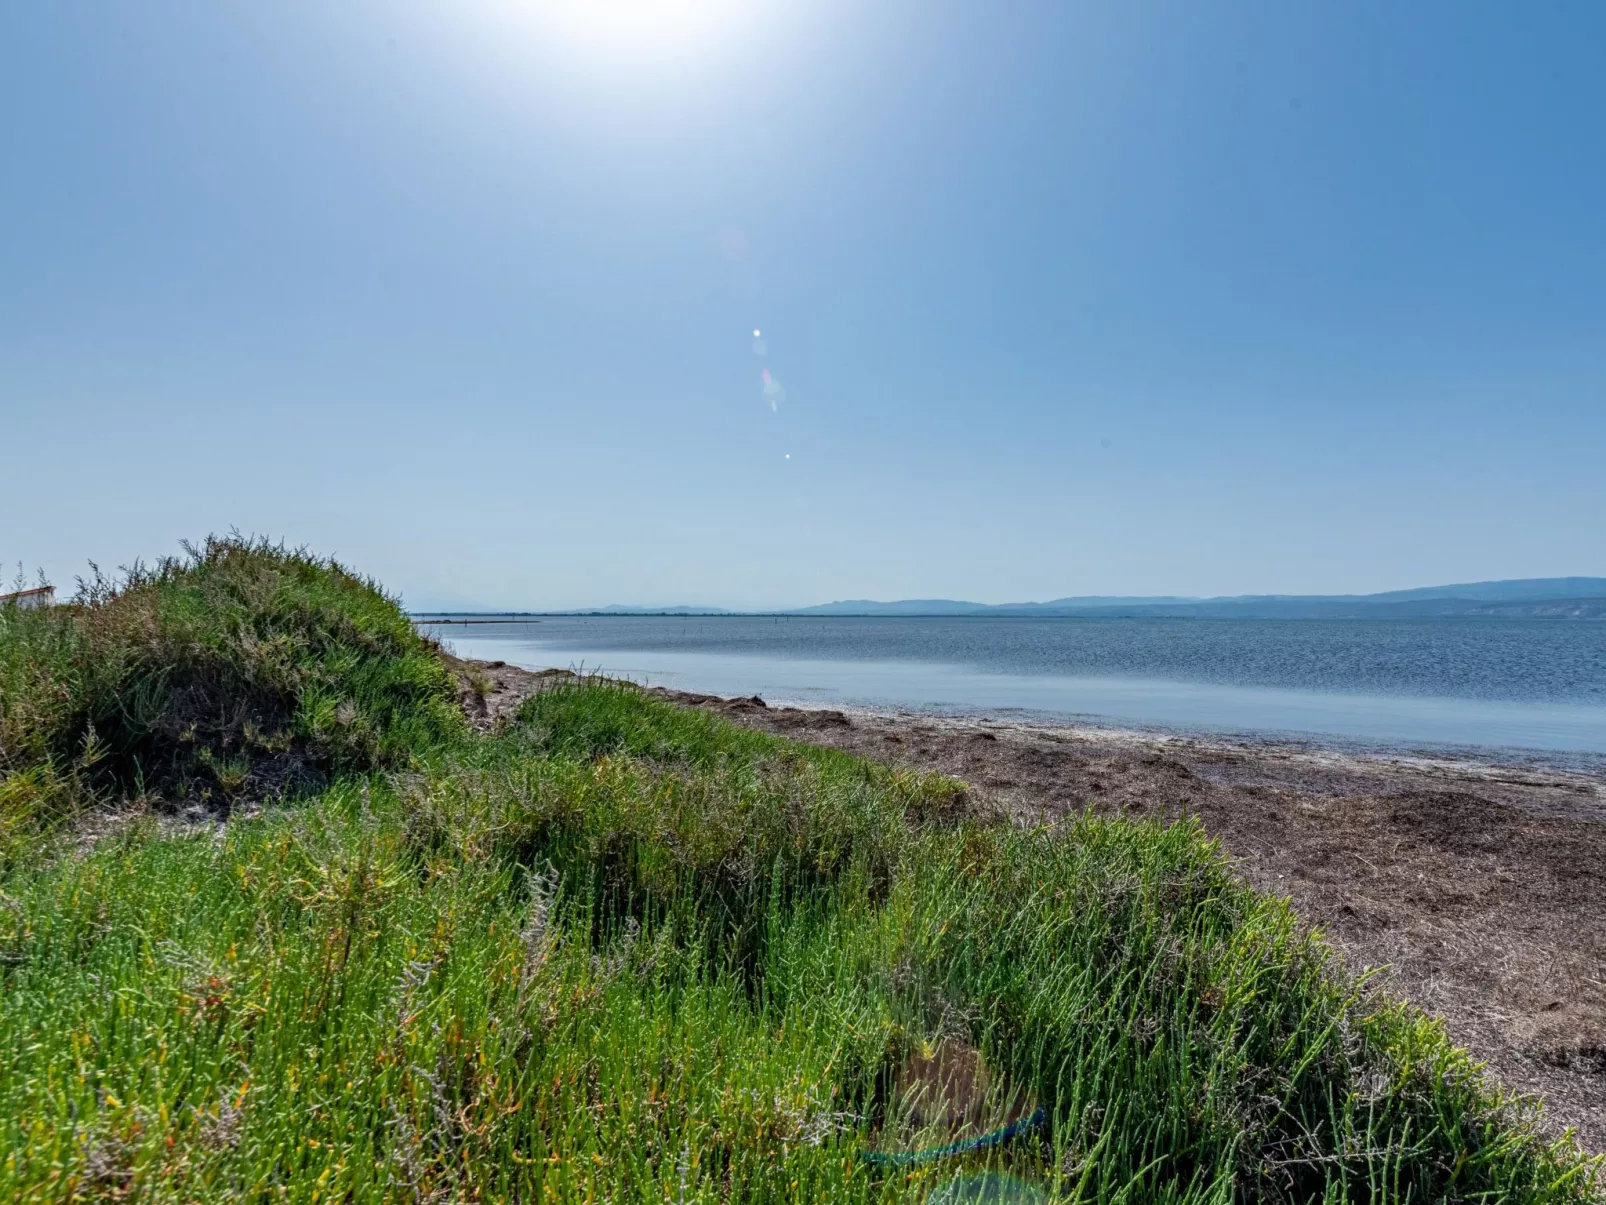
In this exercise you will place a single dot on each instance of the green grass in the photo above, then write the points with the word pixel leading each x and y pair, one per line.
pixel 625 951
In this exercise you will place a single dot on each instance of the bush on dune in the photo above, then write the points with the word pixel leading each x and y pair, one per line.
pixel 240 670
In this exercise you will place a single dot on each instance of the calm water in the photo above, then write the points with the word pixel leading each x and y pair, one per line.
pixel 1521 684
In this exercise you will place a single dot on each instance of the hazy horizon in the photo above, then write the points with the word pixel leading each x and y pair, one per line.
pixel 1590 586
pixel 549 305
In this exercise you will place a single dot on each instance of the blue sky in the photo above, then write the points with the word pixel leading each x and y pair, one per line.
pixel 1055 299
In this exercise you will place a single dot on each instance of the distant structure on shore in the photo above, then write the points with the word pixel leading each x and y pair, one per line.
pixel 27 600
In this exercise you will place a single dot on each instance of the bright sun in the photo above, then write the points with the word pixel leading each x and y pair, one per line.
pixel 631 28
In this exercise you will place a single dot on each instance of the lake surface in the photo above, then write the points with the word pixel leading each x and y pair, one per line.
pixel 1509 684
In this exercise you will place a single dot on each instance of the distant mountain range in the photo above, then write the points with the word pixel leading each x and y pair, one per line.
pixel 1561 597
pixel 1546 597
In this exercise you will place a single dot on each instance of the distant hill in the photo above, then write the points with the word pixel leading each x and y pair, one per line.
pixel 1554 597
pixel 1535 597
pixel 1527 589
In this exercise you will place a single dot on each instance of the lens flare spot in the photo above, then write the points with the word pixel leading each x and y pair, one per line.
pixel 948 1104
pixel 774 395
pixel 987 1188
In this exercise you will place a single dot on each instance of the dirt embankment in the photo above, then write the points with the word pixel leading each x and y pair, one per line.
pixel 1482 889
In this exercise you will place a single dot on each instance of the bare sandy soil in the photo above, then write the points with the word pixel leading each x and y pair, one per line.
pixel 1480 888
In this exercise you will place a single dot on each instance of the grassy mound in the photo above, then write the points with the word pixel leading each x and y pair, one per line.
pixel 624 951
pixel 241 670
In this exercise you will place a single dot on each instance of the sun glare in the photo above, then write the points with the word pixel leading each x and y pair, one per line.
pixel 646 29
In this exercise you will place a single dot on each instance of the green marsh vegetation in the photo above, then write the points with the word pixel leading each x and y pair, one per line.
pixel 623 951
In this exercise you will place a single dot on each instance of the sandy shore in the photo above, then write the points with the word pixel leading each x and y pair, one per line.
pixel 1481 887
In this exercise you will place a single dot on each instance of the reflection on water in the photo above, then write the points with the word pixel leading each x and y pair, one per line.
pixel 968 683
